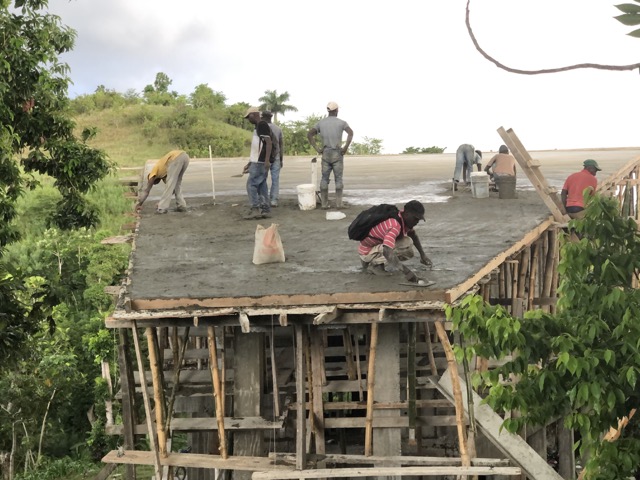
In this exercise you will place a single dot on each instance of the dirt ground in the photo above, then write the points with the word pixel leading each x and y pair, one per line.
pixel 204 257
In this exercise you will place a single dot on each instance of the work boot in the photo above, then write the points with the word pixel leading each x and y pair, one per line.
pixel 324 198
pixel 339 204
pixel 253 213
pixel 364 265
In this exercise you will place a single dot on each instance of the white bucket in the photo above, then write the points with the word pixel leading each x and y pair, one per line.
pixel 480 185
pixel 307 196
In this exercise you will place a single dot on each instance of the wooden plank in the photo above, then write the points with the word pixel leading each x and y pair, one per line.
pixel 513 446
pixel 454 293
pixel 117 240
pixel 317 374
pixel 206 424
pixel 427 403
pixel 104 473
pixel 408 460
pixel 301 413
pixel 612 181
pixel 380 472
pixel 371 381
pixel 245 325
pixel 326 317
pixel 196 460
pixel 392 422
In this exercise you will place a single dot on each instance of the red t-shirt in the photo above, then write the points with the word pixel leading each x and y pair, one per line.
pixel 575 185
pixel 385 233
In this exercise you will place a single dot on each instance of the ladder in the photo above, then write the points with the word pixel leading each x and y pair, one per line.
pixel 531 168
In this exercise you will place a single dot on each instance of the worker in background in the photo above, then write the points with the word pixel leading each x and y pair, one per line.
pixel 501 164
pixel 466 157
pixel 572 193
pixel 330 130
pixel 391 241
pixel 170 169
pixel 277 152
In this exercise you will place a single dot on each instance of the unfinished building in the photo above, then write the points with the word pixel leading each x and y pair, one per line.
pixel 311 369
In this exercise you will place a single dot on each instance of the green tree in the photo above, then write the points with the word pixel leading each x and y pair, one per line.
pixel 276 103
pixel 415 150
pixel 35 125
pixel 581 363
pixel 203 96
pixel 295 136
pixel 369 146
pixel 158 93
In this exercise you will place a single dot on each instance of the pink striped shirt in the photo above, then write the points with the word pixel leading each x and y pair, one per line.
pixel 384 233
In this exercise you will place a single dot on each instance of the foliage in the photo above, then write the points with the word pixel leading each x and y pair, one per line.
pixel 582 363
pixel 276 103
pixel 55 469
pixel 158 93
pixel 34 116
pixel 295 136
pixel 414 150
pixel 630 16
pixel 369 146
pixel 204 97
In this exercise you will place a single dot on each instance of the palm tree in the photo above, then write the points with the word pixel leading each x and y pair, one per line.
pixel 276 103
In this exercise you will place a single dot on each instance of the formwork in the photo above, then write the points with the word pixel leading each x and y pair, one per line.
pixel 311 368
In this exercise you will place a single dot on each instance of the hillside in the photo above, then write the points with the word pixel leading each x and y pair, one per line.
pixel 132 134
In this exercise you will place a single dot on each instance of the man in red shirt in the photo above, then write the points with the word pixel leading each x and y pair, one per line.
pixel 391 241
pixel 572 193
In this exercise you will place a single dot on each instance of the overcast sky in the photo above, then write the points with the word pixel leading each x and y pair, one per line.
pixel 403 71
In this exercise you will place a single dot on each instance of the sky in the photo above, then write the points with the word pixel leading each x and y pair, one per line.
pixel 405 72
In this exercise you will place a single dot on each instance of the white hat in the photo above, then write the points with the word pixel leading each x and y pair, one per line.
pixel 331 106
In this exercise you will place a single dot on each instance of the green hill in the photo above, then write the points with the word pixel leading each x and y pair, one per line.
pixel 132 134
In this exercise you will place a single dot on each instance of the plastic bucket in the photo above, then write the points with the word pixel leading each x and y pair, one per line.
pixel 506 185
pixel 307 196
pixel 480 185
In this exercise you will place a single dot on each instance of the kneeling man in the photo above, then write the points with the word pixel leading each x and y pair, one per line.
pixel 391 241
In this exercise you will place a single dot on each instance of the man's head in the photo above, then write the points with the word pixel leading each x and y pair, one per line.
pixel 592 166
pixel 503 149
pixel 266 116
pixel 253 115
pixel 332 108
pixel 412 213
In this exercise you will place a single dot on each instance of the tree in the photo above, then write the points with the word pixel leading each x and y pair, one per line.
pixel 35 125
pixel 414 150
pixel 204 97
pixel 295 136
pixel 276 103
pixel 158 93
pixel 581 363
pixel 370 146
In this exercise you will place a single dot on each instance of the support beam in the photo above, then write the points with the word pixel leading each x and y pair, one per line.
pixel 301 411
pixel 217 390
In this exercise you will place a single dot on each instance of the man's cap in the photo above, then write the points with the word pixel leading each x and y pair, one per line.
pixel 331 106
pixel 592 163
pixel 251 110
pixel 415 207
pixel 267 113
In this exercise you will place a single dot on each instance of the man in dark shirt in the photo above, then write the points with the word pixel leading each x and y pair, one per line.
pixel 258 167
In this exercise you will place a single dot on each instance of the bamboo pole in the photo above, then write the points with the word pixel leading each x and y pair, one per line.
pixel 457 394
pixel 158 391
pixel 513 266
pixel 524 266
pixel 371 381
pixel 274 379
pixel 549 264
pixel 427 338
pixel 180 347
pixel 153 443
pixel 348 353
pixel 533 272
pixel 358 368
pixel 554 280
pixel 217 391
pixel 411 381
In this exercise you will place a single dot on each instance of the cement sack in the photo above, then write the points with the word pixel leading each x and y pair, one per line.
pixel 268 247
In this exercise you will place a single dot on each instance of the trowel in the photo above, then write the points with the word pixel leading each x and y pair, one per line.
pixel 238 175
pixel 427 283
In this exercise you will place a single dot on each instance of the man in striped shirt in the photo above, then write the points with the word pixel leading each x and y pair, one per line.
pixel 391 241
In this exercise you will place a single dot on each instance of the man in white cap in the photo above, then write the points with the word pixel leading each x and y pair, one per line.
pixel 258 167
pixel 330 129
pixel 572 193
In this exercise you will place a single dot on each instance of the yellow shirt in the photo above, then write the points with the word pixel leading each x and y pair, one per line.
pixel 160 168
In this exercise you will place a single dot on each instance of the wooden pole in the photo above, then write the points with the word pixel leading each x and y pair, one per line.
pixel 274 378
pixel 217 390
pixel 158 390
pixel 301 408
pixel 411 381
pixel 524 266
pixel 371 381
pixel 348 353
pixel 147 405
pixel 549 266
pixel 533 273
pixel 457 394
pixel 179 348
pixel 432 360
pixel 358 368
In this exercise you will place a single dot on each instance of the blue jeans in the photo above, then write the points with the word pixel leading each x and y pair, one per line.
pixel 274 192
pixel 257 187
pixel 332 160
pixel 464 157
